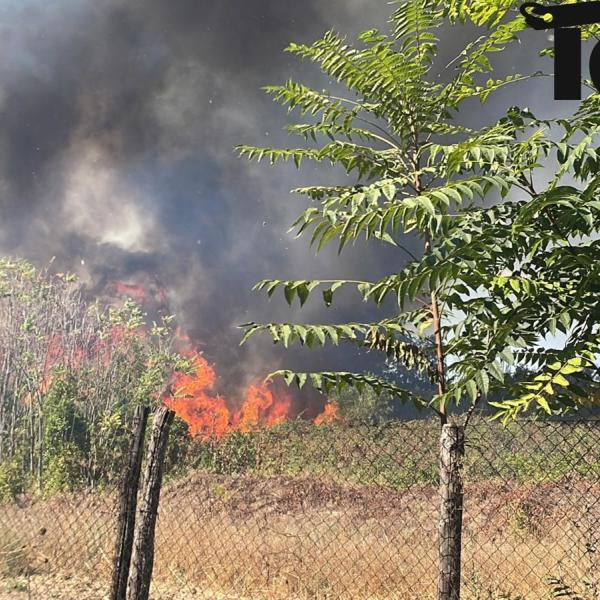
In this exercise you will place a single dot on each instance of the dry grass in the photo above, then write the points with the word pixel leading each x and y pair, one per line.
pixel 276 538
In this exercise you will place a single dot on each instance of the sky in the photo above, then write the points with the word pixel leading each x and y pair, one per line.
pixel 118 122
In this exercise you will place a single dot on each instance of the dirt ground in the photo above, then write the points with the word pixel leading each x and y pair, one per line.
pixel 58 587
pixel 50 587
pixel 281 538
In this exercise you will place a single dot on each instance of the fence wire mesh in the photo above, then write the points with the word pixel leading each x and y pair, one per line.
pixel 332 511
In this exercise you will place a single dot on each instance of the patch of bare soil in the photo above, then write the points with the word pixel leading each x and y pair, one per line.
pixel 51 587
pixel 59 587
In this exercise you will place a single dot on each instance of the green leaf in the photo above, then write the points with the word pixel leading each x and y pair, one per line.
pixel 484 382
pixel 496 372
pixel 427 205
pixel 560 380
pixel 286 332
pixel 472 390
pixel 289 292
pixel 544 404
pixel 320 335
pixel 303 293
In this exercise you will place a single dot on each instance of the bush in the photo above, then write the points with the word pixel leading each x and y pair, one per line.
pixel 12 480
pixel 64 470
pixel 65 437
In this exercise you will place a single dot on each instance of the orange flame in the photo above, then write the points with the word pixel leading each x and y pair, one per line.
pixel 329 414
pixel 60 354
pixel 261 407
pixel 194 398
pixel 135 292
pixel 207 413
pixel 140 294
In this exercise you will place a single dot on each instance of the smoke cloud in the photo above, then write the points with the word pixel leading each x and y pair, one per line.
pixel 117 127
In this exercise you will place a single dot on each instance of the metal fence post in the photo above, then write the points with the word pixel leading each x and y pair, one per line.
pixel 452 443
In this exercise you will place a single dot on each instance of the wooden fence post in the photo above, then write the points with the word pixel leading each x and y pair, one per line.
pixel 127 505
pixel 452 444
pixel 142 562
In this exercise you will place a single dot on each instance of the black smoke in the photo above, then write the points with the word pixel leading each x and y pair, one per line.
pixel 117 127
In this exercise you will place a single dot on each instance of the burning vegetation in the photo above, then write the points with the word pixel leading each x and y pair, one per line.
pixel 208 414
pixel 72 372
pixel 194 396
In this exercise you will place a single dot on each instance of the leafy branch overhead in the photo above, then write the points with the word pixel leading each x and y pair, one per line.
pixel 505 217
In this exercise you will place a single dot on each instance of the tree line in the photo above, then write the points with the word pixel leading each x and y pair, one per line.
pixel 71 374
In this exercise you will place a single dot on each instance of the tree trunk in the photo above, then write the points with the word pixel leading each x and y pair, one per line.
pixel 142 561
pixel 127 505
pixel 452 445
pixel 31 440
pixel 40 465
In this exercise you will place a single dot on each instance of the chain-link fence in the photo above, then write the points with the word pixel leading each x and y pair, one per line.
pixel 334 511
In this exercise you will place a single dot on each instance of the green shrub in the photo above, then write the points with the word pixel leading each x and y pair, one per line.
pixel 235 453
pixel 65 438
pixel 64 469
pixel 12 480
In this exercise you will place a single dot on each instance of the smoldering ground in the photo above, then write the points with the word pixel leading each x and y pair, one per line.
pixel 117 127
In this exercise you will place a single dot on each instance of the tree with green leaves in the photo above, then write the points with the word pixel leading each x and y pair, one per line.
pixel 71 374
pixel 506 216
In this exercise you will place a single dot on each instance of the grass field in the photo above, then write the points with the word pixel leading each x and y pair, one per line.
pixel 298 513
